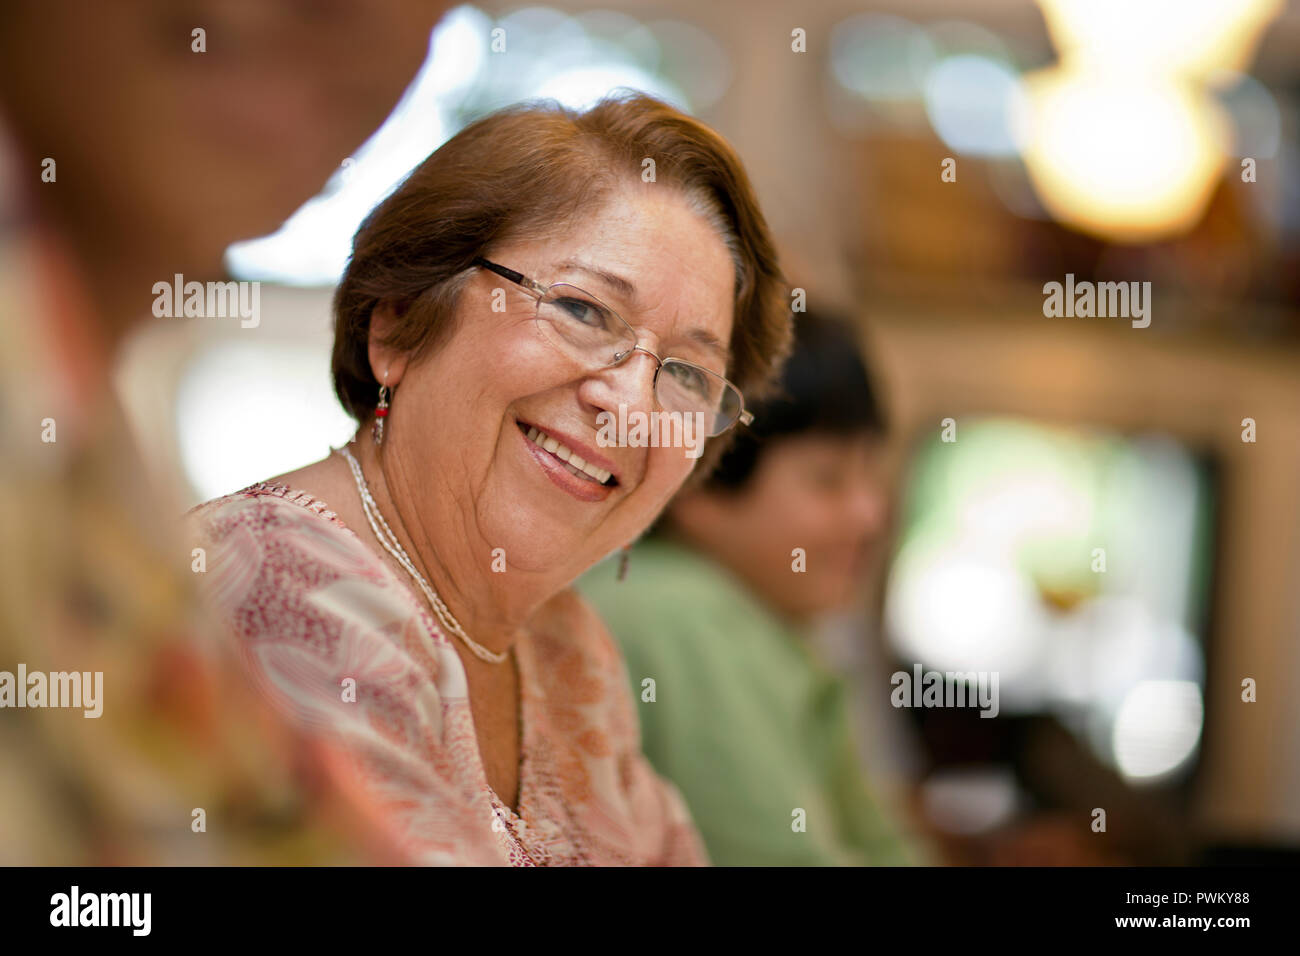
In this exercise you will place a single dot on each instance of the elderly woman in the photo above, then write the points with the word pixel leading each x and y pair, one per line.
pixel 539 275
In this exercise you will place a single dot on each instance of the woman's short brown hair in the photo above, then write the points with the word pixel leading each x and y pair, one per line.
pixel 527 171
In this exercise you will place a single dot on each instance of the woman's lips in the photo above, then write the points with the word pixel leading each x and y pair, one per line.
pixel 576 445
pixel 558 472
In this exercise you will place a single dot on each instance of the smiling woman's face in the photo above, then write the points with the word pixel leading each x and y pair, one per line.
pixel 460 414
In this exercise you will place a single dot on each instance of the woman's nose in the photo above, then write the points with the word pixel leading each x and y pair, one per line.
pixel 635 373
pixel 633 378
pixel 629 383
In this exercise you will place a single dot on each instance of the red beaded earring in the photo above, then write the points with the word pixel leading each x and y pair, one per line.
pixel 381 411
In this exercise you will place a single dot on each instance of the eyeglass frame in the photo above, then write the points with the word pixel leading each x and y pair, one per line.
pixel 745 417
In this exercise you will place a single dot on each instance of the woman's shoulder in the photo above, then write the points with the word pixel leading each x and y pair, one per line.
pixel 260 497
pixel 264 509
pixel 288 577
pixel 272 530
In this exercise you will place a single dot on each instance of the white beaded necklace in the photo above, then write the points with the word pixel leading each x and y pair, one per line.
pixel 394 547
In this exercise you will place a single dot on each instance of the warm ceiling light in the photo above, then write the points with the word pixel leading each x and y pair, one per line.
pixel 1123 157
pixel 1190 38
pixel 1122 140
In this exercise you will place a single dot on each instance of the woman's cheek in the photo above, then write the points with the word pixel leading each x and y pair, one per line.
pixel 664 476
pixel 666 465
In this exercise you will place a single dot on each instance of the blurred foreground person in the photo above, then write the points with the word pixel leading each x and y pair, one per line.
pixel 128 155
pixel 716 612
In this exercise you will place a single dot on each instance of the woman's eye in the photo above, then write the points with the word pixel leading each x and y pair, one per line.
pixel 585 312
pixel 691 378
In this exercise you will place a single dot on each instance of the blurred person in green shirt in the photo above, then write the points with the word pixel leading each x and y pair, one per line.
pixel 719 606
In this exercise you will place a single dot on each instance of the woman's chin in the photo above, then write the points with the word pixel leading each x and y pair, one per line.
pixel 544 547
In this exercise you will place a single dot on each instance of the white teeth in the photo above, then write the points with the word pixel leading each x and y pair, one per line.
pixel 567 454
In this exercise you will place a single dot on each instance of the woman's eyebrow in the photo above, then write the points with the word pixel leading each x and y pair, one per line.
pixel 709 341
pixel 627 290
pixel 618 283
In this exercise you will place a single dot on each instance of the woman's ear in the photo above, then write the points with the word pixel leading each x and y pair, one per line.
pixel 386 364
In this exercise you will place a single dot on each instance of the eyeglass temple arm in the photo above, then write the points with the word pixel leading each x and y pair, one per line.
pixel 516 277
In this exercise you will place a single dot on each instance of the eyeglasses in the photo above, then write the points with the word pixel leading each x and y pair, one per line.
pixel 592 333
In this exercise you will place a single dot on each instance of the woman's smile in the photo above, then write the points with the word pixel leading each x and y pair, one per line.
pixel 583 479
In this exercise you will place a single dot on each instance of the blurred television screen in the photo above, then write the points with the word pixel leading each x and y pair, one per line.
pixel 1074 563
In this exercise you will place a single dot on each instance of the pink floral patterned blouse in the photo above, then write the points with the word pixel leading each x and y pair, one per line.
pixel 311 607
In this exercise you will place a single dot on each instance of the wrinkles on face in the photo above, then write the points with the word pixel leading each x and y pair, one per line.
pixel 466 467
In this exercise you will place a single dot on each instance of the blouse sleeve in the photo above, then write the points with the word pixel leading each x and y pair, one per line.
pixel 339 652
